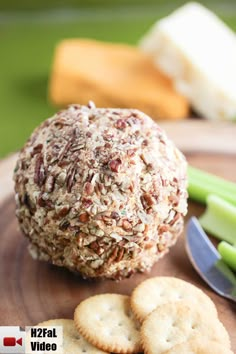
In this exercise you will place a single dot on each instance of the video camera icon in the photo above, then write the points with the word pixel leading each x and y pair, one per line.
pixel 12 340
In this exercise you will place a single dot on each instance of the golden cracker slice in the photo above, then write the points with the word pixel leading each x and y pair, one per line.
pixel 107 322
pixel 174 323
pixel 157 291
pixel 73 342
pixel 199 345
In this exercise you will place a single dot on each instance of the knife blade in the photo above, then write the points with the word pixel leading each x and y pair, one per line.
pixel 207 261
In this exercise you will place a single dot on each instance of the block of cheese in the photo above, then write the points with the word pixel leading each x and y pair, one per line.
pixel 112 75
pixel 198 51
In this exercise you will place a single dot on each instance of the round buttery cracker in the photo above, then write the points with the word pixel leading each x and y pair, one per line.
pixel 199 345
pixel 175 323
pixel 73 342
pixel 157 291
pixel 107 322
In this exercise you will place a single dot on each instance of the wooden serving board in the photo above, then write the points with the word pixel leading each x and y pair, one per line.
pixel 33 291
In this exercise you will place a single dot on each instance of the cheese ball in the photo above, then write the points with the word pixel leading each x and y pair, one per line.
pixel 100 191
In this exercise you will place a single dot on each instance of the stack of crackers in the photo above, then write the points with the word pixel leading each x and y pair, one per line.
pixel 163 315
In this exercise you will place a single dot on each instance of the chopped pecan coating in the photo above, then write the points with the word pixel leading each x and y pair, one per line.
pixel 100 191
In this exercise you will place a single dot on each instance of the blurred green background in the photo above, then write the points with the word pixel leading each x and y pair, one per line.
pixel 29 31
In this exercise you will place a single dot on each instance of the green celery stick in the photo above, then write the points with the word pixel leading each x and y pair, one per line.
pixel 200 190
pixel 227 271
pixel 202 184
pixel 228 254
pixel 219 219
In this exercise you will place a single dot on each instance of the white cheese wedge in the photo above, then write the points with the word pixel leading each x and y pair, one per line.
pixel 198 51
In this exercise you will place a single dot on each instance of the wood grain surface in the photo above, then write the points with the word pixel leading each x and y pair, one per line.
pixel 33 291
